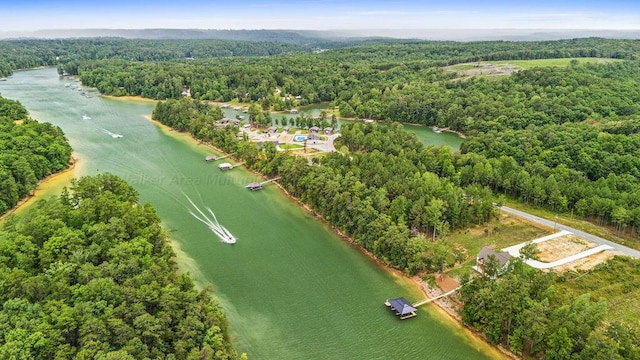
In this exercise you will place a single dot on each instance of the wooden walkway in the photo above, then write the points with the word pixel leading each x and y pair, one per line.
pixel 426 301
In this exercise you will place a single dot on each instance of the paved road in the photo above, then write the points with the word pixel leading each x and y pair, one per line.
pixel 596 239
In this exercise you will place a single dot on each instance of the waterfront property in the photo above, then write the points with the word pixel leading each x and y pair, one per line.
pixel 485 255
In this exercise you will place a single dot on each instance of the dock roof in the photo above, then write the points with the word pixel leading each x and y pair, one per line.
pixel 402 306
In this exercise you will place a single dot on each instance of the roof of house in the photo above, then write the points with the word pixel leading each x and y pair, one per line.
pixel 402 306
pixel 502 257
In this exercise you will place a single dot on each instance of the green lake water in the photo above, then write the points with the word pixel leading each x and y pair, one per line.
pixel 290 287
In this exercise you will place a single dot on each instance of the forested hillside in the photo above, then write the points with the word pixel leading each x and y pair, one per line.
pixel 90 275
pixel 29 152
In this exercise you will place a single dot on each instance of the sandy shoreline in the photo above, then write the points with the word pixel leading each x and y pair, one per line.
pixel 63 175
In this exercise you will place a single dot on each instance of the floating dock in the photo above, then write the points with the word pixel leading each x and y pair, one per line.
pixel 254 186
pixel 210 158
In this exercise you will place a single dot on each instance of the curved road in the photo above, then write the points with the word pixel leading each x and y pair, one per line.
pixel 552 224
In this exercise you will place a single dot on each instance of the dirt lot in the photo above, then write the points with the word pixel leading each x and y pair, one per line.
pixel 560 248
pixel 589 262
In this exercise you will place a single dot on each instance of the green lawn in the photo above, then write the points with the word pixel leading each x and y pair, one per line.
pixel 528 64
pixel 509 231
pixel 291 146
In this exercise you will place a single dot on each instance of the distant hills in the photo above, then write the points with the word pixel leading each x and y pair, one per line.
pixel 307 37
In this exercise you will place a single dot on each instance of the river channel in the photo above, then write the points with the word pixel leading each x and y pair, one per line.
pixel 290 287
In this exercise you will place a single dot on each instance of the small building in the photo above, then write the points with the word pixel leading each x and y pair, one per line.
pixel 328 130
pixel 314 129
pixel 254 186
pixel 402 308
pixel 225 166
pixel 485 255
pixel 313 136
pixel 236 122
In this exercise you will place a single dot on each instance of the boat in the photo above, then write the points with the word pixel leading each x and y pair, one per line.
pixel 67 84
pixel 436 130
pixel 86 117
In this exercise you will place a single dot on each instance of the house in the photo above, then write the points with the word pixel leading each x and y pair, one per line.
pixel 314 129
pixel 313 136
pixel 328 130
pixel 485 256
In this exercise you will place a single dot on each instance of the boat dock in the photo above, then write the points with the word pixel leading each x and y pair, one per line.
pixel 227 166
pixel 210 158
pixel 405 310
pixel 401 307
pixel 255 186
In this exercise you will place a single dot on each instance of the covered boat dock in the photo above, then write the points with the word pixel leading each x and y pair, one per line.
pixel 401 307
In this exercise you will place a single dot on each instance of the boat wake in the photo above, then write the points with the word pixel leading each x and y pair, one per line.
pixel 212 222
pixel 113 135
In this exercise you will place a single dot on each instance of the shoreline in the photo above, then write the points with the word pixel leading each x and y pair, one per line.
pixel 37 191
pixel 447 311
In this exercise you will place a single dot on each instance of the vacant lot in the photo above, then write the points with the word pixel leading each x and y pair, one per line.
pixel 508 67
pixel 561 247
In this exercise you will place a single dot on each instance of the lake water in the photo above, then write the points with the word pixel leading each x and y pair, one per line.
pixel 290 287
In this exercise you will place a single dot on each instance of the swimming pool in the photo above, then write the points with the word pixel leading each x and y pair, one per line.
pixel 300 137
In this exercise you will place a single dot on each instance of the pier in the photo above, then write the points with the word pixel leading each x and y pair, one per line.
pixel 405 310
pixel 210 158
pixel 255 186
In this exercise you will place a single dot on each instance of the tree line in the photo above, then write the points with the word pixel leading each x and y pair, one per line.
pixel 90 275
pixel 29 152
pixel 523 311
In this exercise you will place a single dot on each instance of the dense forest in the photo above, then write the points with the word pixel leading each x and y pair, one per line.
pixel 558 137
pixel 67 54
pixel 90 275
pixel 29 152
pixel 523 311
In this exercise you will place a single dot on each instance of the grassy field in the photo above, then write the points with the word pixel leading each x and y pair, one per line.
pixel 570 220
pixel 508 67
pixel 507 231
pixel 562 62
pixel 291 146
pixel 617 281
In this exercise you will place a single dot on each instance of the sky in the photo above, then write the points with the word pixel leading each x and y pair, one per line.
pixel 28 15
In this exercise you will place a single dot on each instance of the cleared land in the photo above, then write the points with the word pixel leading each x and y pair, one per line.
pixel 501 68
pixel 561 247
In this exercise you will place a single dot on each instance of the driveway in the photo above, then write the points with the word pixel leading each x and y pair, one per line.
pixel 552 224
